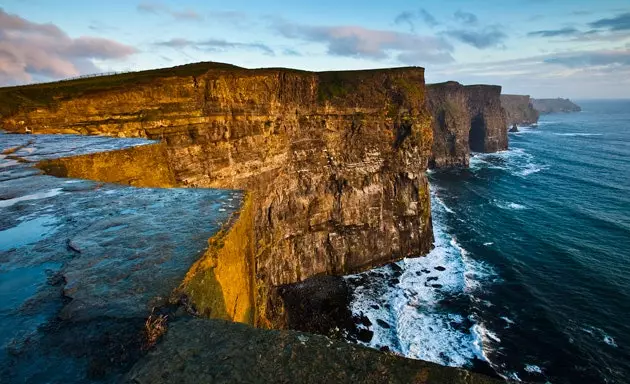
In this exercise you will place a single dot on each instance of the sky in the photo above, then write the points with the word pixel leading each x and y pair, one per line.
pixel 544 48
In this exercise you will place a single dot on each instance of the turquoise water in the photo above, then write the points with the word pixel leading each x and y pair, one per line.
pixel 531 272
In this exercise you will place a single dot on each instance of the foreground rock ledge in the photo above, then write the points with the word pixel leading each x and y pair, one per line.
pixel 215 351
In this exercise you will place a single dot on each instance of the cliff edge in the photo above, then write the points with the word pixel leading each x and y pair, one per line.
pixel 519 110
pixel 545 106
pixel 334 162
pixel 465 119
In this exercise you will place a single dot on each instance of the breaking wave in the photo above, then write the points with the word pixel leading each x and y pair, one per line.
pixel 421 307
pixel 516 161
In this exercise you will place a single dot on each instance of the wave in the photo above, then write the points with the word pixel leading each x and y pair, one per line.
pixel 577 134
pixel 508 205
pixel 515 161
pixel 405 301
pixel 600 335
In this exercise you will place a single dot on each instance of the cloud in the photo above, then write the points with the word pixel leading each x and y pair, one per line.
pixel 618 23
pixel 542 76
pixel 466 17
pixel 428 18
pixel 410 17
pixel 159 8
pixel 290 52
pixel 591 59
pixel 568 31
pixel 29 50
pixel 487 37
pixel 360 42
pixel 406 17
pixel 214 45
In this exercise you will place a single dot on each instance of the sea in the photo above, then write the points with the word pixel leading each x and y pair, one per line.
pixel 530 275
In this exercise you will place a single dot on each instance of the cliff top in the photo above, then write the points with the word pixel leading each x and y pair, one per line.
pixel 42 95
pixel 452 83
pixel 545 106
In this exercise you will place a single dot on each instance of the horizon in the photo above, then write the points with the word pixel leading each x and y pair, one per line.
pixel 541 48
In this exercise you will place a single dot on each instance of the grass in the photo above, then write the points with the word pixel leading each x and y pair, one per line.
pixel 43 95
pixel 154 328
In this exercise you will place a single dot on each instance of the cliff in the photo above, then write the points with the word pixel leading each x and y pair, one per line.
pixel 465 119
pixel 519 110
pixel 545 106
pixel 334 162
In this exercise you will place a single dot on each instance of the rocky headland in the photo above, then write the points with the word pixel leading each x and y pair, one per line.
pixel 519 110
pixel 559 105
pixel 333 165
pixel 465 119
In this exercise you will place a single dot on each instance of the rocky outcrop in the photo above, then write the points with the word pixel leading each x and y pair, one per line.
pixel 545 106
pixel 334 161
pixel 519 110
pixel 126 166
pixel 198 351
pixel 465 118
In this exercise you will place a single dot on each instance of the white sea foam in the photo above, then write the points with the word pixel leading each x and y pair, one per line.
pixel 599 333
pixel 508 205
pixel 610 341
pixel 515 161
pixel 531 368
pixel 507 320
pixel 419 326
pixel 441 202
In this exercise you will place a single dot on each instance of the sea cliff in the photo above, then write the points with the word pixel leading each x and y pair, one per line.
pixel 519 110
pixel 545 106
pixel 465 119
pixel 334 162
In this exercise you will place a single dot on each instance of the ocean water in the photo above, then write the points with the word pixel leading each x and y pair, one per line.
pixel 530 276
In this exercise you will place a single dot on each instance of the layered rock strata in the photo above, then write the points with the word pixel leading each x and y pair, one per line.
pixel 334 163
pixel 465 119
pixel 519 110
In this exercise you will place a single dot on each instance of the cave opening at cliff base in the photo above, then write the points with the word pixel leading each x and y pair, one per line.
pixel 476 136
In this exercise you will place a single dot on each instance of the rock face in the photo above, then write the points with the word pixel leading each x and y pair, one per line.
pixel 335 162
pixel 545 106
pixel 213 351
pixel 519 110
pixel 465 118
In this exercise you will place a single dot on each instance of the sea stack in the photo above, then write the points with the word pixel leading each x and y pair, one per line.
pixel 465 119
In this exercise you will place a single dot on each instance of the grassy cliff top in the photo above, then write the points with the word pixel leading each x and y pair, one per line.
pixel 34 96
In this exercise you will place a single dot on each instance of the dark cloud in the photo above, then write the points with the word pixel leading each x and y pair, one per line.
pixel 591 59
pixel 428 18
pixel 410 17
pixel 485 38
pixel 466 17
pixel 355 41
pixel 214 45
pixel 568 31
pixel 160 8
pixel 618 23
pixel 31 50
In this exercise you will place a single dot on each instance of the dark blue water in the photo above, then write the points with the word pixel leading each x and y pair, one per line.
pixel 534 244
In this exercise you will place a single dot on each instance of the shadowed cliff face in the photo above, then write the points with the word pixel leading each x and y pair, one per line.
pixel 334 161
pixel 465 118
pixel 519 110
